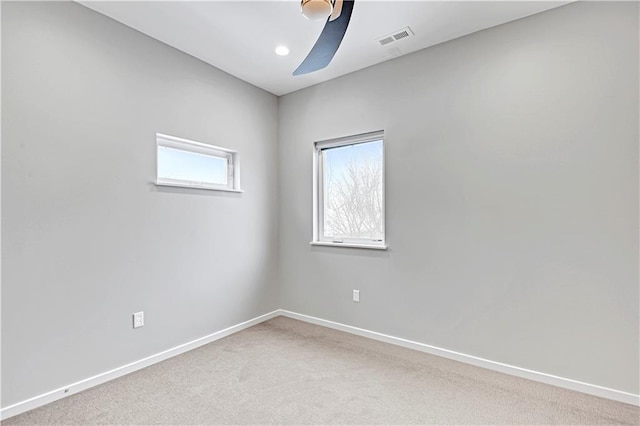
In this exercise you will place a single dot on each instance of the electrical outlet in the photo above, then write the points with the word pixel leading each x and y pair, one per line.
pixel 356 295
pixel 138 319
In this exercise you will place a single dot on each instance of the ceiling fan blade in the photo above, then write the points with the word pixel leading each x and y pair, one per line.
pixel 327 44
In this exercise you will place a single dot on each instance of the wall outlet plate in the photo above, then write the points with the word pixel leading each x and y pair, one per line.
pixel 356 295
pixel 138 319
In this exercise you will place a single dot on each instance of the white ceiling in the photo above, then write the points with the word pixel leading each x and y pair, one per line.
pixel 239 37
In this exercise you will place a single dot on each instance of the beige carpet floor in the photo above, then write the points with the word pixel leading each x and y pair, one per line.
pixel 288 372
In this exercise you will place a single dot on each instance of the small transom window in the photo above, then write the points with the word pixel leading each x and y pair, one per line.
pixel 185 163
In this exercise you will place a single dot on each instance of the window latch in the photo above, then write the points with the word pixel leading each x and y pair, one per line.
pixel 338 241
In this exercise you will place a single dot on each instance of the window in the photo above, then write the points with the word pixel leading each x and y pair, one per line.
pixel 349 192
pixel 185 163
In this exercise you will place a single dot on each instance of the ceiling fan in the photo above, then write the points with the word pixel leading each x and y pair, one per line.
pixel 338 14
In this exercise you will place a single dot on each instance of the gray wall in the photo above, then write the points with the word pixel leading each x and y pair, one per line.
pixel 87 239
pixel 512 196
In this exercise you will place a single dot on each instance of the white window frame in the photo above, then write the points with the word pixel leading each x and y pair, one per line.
pixel 232 158
pixel 318 193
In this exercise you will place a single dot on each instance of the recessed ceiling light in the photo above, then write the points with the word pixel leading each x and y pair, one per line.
pixel 282 50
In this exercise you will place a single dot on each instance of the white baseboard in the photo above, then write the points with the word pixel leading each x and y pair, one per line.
pixel 46 398
pixel 550 379
pixel 537 376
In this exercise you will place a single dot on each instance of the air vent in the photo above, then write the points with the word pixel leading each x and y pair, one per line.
pixel 395 36
pixel 401 35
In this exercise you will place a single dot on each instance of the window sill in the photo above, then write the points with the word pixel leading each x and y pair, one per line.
pixel 194 186
pixel 349 245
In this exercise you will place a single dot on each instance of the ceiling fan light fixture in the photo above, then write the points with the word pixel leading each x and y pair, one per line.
pixel 316 10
